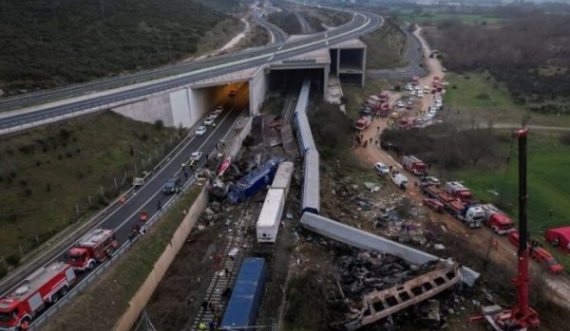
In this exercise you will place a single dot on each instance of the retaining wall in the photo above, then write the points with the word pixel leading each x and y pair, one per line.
pixel 141 298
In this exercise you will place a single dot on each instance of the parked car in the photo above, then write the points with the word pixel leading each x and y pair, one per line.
pixel 381 168
pixel 172 186
pixel 429 180
pixel 209 120
pixel 201 130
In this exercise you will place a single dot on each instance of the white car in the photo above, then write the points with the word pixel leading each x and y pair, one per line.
pixel 381 168
pixel 209 120
pixel 201 130
pixel 400 180
pixel 196 156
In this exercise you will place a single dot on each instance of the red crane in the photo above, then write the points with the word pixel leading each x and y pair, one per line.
pixel 521 316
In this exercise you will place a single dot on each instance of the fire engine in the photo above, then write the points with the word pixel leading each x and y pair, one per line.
pixel 35 293
pixel 94 248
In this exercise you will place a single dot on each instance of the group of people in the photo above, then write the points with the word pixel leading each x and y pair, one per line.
pixel 361 142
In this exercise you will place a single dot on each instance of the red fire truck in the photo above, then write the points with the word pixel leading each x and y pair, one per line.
pixel 42 288
pixel 539 254
pixel 94 248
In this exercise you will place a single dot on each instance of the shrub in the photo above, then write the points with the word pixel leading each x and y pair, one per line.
pixel 565 138
pixel 13 260
pixel 159 124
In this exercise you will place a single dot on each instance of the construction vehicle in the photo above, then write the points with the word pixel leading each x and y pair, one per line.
pixel 521 316
pixel 539 254
pixel 363 123
pixel 458 190
pixel 34 294
pixel 471 215
pixel 498 221
pixel 414 165
pixel 92 249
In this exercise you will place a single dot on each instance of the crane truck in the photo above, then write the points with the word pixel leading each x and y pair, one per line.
pixel 95 247
pixel 34 294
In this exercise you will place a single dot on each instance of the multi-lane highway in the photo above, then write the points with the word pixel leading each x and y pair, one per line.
pixel 363 23
pixel 121 218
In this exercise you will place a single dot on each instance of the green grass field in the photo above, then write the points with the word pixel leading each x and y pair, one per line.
pixel 434 17
pixel 548 178
pixel 46 172
pixel 479 96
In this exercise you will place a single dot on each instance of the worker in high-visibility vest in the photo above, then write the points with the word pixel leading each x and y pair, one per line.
pixel 202 326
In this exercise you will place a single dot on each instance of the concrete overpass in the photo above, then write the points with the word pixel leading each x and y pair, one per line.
pixel 182 99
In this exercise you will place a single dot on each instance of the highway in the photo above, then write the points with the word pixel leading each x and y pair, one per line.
pixel 362 24
pixel 121 218
pixel 31 99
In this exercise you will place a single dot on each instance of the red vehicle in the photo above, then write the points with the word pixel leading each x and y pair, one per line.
pixel 500 224
pixel 559 237
pixel 433 204
pixel 42 288
pixel 384 110
pixel 539 254
pixel 95 247
pixel 384 96
pixel 407 123
pixel 414 165
pixel 471 215
pixel 459 191
pixel 363 123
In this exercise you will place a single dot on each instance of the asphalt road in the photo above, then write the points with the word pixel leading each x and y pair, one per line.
pixel 256 58
pixel 122 217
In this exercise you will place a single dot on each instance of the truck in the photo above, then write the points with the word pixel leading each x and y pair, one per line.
pixel 267 226
pixel 472 215
pixel 363 123
pixel 459 191
pixel 497 220
pixel 384 110
pixel 539 254
pixel 34 294
pixel 251 183
pixel 283 176
pixel 242 308
pixel 92 249
pixel 414 165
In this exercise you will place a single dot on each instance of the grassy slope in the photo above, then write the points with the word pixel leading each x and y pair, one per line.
pixel 122 280
pixel 97 150
pixel 430 18
pixel 52 43
pixel 548 178
pixel 386 48
pixel 356 95
pixel 479 96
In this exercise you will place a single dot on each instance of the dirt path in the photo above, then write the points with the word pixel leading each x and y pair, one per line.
pixel 481 239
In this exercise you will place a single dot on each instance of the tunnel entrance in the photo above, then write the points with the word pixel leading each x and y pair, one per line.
pixel 202 101
pixel 286 80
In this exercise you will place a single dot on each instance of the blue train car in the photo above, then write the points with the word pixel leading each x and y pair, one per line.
pixel 311 199
pixel 253 182
pixel 242 308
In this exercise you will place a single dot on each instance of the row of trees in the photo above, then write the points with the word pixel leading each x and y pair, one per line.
pixel 530 54
pixel 51 43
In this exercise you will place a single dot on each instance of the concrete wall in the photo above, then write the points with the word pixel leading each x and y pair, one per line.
pixel 141 298
pixel 149 110
pixel 180 105
pixel 257 91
